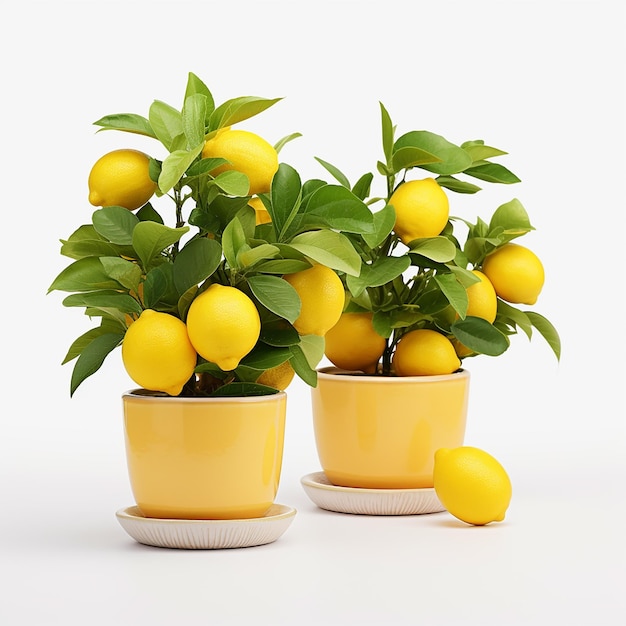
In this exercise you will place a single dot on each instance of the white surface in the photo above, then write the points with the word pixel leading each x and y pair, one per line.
pixel 542 80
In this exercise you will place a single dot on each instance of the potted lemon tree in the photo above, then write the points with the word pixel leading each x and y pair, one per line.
pixel 434 290
pixel 216 304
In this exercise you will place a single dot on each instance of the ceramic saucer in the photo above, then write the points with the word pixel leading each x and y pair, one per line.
pixel 369 501
pixel 206 534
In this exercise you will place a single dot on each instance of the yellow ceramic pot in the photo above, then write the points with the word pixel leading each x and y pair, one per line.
pixel 204 458
pixel 381 432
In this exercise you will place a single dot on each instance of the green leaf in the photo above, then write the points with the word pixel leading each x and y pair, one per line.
pixel 383 270
pixel 454 184
pixel 493 173
pixel 383 223
pixel 453 159
pixel 150 239
pixel 104 299
pixel 454 292
pixel 282 266
pixel 92 357
pixel 510 217
pixel 335 172
pixel 285 194
pixel 409 156
pixel 513 316
pixel 175 165
pixel 387 132
pixel 439 249
pixel 256 254
pixel 279 332
pixel 547 331
pixel 265 357
pixel 147 213
pixel 84 275
pixel 193 117
pixel 302 367
pixel 362 186
pixel 195 262
pixel 237 110
pixel 341 209
pixel 329 248
pixel 277 295
pixel 233 183
pixel 280 144
pixel 166 121
pixel 85 242
pixel 233 240
pixel 204 166
pixel 126 273
pixel 115 223
pixel 128 122
pixel 196 86
pixel 312 347
pixel 242 390
pixel 80 343
pixel 479 151
pixel 158 287
pixel 480 336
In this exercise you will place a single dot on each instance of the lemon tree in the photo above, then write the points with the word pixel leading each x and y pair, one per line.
pixel 425 267
pixel 207 282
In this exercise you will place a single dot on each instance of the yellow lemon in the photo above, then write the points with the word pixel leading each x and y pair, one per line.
pixel 422 209
pixel 279 377
pixel 322 296
pixel 120 178
pixel 223 325
pixel 425 352
pixel 483 301
pixel 157 353
pixel 247 153
pixel 353 343
pixel 516 273
pixel 471 484
pixel 260 212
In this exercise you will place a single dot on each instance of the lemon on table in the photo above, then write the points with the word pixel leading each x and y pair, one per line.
pixel 516 273
pixel 422 209
pixel 471 484
pixel 425 352
pixel 353 343
pixel 322 298
pixel 247 153
pixel 121 178
pixel 223 325
pixel 157 353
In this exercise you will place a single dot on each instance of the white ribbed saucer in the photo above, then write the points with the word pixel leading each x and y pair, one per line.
pixel 206 534
pixel 369 501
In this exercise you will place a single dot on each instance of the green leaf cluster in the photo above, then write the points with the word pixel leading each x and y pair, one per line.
pixel 123 262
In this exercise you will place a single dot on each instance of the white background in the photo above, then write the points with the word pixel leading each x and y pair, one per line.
pixel 542 80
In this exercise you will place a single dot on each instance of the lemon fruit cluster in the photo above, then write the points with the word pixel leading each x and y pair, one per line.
pixel 422 209
pixel 322 298
pixel 246 152
pixel 516 273
pixel 223 325
pixel 471 484
pixel 425 352
pixel 121 178
pixel 353 343
pixel 157 353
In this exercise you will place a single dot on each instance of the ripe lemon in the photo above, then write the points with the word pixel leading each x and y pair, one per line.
pixel 248 153
pixel 157 353
pixel 483 301
pixel 425 352
pixel 322 296
pixel 120 178
pixel 261 213
pixel 353 344
pixel 471 484
pixel 279 377
pixel 422 209
pixel 223 325
pixel 516 273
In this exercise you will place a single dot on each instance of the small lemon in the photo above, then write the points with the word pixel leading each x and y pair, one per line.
pixel 422 209
pixel 157 353
pixel 223 325
pixel 261 214
pixel 353 343
pixel 279 377
pixel 247 153
pixel 483 301
pixel 471 484
pixel 120 178
pixel 516 273
pixel 425 352
pixel 322 297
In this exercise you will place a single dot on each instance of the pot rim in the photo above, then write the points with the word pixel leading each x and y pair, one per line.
pixel 141 394
pixel 336 373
